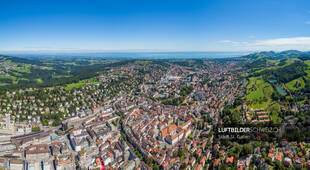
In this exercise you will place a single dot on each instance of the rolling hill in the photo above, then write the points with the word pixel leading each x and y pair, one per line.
pixel 277 81
pixel 276 56
pixel 16 72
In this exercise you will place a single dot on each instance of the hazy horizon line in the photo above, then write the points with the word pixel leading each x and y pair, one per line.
pixel 120 51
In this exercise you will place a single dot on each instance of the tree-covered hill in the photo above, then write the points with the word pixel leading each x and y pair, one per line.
pixel 17 72
pixel 276 56
pixel 277 82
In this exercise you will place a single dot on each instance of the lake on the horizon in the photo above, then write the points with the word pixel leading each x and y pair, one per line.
pixel 141 55
pixel 163 55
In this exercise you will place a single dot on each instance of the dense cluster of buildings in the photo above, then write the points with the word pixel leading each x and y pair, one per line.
pixel 87 139
pixel 162 132
pixel 124 122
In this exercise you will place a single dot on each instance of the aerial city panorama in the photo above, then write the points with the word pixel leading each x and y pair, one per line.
pixel 156 84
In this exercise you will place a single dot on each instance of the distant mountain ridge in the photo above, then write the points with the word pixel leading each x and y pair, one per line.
pixel 276 55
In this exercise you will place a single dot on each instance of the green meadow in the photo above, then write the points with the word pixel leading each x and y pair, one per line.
pixel 81 83
pixel 144 62
pixel 258 92
pixel 296 84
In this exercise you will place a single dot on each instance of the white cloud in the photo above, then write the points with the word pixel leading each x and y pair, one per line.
pixel 226 41
pixel 278 44
pixel 307 22
pixel 285 41
pixel 233 42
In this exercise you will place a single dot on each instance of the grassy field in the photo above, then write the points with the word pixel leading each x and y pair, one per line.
pixel 308 74
pixel 39 80
pixel 258 92
pixel 273 62
pixel 25 68
pixel 259 96
pixel 7 77
pixel 258 71
pixel 17 74
pixel 290 61
pixel 273 109
pixel 3 84
pixel 292 84
pixel 46 68
pixel 60 76
pixel 308 70
pixel 14 79
pixel 81 83
pixel 307 62
pixel 72 63
pixel 144 63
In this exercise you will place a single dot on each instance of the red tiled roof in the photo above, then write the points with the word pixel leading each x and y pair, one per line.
pixel 270 155
pixel 216 162
pixel 279 156
pixel 230 160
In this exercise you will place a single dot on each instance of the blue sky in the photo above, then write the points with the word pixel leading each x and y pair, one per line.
pixel 154 25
